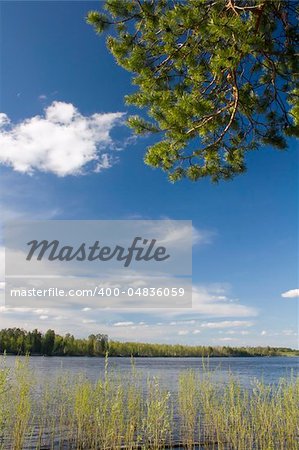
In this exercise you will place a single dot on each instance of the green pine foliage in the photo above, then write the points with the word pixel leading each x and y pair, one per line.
pixel 217 78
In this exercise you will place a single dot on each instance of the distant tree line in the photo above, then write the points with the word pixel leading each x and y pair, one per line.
pixel 17 341
pixel 155 350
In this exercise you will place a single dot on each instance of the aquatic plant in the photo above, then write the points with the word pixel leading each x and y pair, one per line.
pixel 124 411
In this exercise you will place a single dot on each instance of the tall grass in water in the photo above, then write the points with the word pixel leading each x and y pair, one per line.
pixel 126 412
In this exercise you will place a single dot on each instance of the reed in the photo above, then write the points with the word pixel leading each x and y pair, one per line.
pixel 128 412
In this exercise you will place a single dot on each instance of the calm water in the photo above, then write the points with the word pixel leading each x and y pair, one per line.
pixel 270 369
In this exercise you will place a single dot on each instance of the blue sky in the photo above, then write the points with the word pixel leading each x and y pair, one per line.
pixel 246 255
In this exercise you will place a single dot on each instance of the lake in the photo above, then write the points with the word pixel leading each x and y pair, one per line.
pixel 270 369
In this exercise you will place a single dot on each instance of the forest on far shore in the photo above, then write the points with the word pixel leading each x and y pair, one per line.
pixel 17 341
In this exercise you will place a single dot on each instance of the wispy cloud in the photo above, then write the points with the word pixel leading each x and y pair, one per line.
pixel 179 235
pixel 123 324
pixel 292 293
pixel 2 264
pixel 10 213
pixel 207 302
pixel 183 332
pixel 61 141
pixel 226 339
pixel 227 324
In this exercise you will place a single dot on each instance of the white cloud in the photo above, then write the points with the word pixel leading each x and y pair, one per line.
pixel 202 236
pixel 172 234
pixel 61 141
pixel 227 324
pixel 292 293
pixel 289 333
pixel 9 214
pixel 206 303
pixel 183 332
pixel 123 324
pixel 226 339
pixel 2 263
pixel 41 311
pixel 4 120
pixel 185 322
pixel 242 332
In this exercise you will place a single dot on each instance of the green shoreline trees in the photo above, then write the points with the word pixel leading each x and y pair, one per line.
pixel 20 342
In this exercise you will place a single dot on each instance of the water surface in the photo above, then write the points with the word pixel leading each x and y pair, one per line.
pixel 268 369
